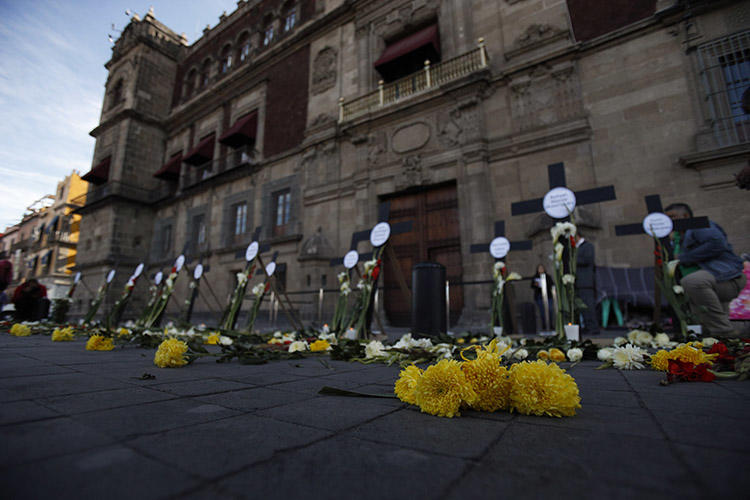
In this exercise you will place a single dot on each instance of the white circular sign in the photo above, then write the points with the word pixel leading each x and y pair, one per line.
pixel 252 251
pixel 499 247
pixel 270 268
pixel 350 259
pixel 380 234
pixel 198 271
pixel 158 277
pixel 559 202
pixel 657 224
pixel 138 270
pixel 110 276
pixel 179 263
pixel 77 278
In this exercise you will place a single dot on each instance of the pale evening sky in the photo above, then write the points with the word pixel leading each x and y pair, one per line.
pixel 52 76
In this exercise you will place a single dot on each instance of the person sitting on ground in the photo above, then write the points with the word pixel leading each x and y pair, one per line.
pixel 29 299
pixel 711 272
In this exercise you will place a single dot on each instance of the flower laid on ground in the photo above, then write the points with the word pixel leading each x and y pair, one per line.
pixel 620 341
pixel 63 334
pixel 374 349
pixel 171 354
pixel 488 378
pixel 628 357
pixel 407 383
pixel 661 340
pixel 556 355
pixel 539 388
pixel 123 332
pixel 604 354
pixel 685 371
pixel 641 338
pixel 543 355
pixel 299 345
pixel 99 343
pixel 708 341
pixel 213 339
pixel 691 352
pixel 521 354
pixel 442 389
pixel 574 354
pixel 20 330
pixel 320 346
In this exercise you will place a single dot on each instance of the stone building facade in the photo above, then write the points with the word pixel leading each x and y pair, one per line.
pixel 303 117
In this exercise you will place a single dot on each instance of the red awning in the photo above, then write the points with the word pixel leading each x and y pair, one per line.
pixel 201 153
pixel 427 36
pixel 242 132
pixel 171 170
pixel 100 173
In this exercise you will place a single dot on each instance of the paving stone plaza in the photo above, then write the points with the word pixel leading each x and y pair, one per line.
pixel 80 424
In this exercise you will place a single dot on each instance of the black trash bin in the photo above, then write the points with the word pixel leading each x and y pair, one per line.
pixel 428 299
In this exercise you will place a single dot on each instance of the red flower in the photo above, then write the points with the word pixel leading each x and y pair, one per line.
pixel 572 242
pixel 375 273
pixel 174 270
pixel 723 351
pixel 268 286
pixel 685 371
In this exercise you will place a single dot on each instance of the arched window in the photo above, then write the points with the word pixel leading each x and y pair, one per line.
pixel 225 61
pixel 116 94
pixel 290 16
pixel 190 83
pixel 244 47
pixel 205 73
pixel 268 34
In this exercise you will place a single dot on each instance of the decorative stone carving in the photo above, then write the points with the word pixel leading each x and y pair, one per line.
pixel 376 147
pixel 546 95
pixel 324 70
pixel 405 16
pixel 316 247
pixel 410 137
pixel 412 172
pixel 460 126
pixel 537 33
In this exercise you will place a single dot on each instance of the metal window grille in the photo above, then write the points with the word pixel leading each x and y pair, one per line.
pixel 724 66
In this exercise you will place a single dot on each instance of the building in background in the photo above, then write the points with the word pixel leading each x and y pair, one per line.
pixel 43 245
pixel 304 116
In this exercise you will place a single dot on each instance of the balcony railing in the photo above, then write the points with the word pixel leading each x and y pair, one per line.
pixel 116 188
pixel 430 77
pixel 236 158
pixel 60 237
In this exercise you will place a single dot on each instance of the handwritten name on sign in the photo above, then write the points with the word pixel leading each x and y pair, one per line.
pixel 657 224
pixel 351 258
pixel 559 202
pixel 380 234
pixel 499 247
pixel 198 272
pixel 252 251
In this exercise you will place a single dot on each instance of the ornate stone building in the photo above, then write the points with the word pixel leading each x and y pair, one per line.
pixel 304 116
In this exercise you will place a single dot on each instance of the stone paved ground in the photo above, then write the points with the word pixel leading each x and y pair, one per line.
pixel 77 424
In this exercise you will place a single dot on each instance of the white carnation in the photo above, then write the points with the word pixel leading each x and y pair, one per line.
pixel 300 345
pixel 620 341
pixel 708 341
pixel 568 279
pixel 574 354
pixel 223 340
pixel 521 354
pixel 604 354
pixel 374 349
pixel 661 340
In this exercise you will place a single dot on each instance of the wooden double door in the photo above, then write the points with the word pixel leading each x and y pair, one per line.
pixel 435 237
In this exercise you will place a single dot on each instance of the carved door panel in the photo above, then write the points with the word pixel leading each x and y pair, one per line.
pixel 435 236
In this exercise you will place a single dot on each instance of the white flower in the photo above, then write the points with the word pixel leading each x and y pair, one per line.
pixel 370 265
pixel 640 338
pixel 345 288
pixel 559 248
pixel 562 228
pixel 620 341
pixel 329 337
pixel 225 340
pixel 241 278
pixel 342 276
pixel 708 341
pixel 374 349
pixel 568 229
pixel 130 283
pixel 628 357
pixel 169 283
pixel 661 340
pixel 500 286
pixel 568 279
pixel 291 336
pixel 498 266
pixel 678 289
pixel 300 345
pixel 258 289
pixel 277 334
pixel 503 340
pixel 513 276
pixel 671 267
pixel 604 354
pixel 444 351
pixel 405 342
pixel 424 343
pixel 521 354
pixel 574 354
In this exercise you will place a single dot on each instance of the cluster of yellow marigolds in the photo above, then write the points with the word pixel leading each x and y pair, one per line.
pixel 484 384
pixel 691 352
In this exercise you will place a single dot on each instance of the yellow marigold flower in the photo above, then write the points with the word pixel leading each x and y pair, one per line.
pixel 171 354
pixel 460 340
pixel 556 355
pixel 320 345
pixel 20 330
pixel 99 343
pixel 542 355
pixel 213 339
pixel 442 388
pixel 538 388
pixel 407 383
pixel 62 334
pixel 123 332
pixel 489 380
pixel 691 352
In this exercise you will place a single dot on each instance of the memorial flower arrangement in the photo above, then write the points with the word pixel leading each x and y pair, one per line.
pixel 485 383
pixel 162 299
pixel 500 276
pixel 339 321
pixel 667 283
pixel 119 307
pixel 229 319
pixel 63 334
pixel 154 291
pixel 363 307
pixel 563 237
pixel 259 291
pixel 95 303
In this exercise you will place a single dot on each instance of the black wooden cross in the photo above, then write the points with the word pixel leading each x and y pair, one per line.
pixel 556 174
pixel 653 205
pixel 500 231
pixel 357 237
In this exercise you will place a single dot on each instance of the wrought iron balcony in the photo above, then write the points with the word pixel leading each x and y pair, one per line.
pixel 432 76
pixel 238 157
